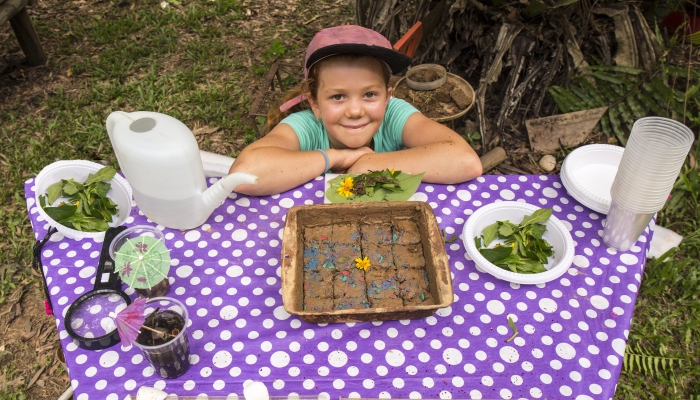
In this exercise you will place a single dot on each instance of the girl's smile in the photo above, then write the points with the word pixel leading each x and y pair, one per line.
pixel 351 101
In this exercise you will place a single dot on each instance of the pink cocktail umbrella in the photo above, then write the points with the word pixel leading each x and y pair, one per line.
pixel 130 320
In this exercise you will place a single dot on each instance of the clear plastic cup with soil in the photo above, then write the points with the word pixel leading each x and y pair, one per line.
pixel 163 337
pixel 142 260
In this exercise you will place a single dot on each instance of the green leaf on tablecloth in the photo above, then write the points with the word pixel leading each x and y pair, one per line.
pixel 401 187
pixel 409 184
pixel 514 328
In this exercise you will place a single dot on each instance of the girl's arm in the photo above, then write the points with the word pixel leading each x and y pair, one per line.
pixel 435 149
pixel 280 165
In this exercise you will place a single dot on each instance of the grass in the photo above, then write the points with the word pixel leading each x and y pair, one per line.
pixel 186 61
pixel 193 61
pixel 663 350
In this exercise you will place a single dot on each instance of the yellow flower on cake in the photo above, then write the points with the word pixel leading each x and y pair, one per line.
pixel 362 263
pixel 346 187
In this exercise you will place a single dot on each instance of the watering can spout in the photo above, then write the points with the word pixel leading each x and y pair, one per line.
pixel 215 195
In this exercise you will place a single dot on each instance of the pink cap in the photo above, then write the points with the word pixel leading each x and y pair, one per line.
pixel 349 39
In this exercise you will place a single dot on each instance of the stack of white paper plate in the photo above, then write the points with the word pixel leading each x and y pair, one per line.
pixel 588 174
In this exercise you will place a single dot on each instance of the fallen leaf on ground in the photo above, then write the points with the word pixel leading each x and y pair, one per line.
pixel 36 376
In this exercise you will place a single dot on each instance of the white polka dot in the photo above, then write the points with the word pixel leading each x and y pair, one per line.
pixel 599 302
pixel 495 307
pixel 509 354
pixel 337 358
pixel 549 192
pixel 192 236
pixel 565 351
pixel 507 194
pixel 222 359
pixel 629 259
pixel 548 305
pixel 184 271
pixel 546 379
pixel 108 359
pixel 228 312
pixel 452 356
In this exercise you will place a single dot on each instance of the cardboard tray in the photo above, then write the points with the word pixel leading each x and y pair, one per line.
pixel 437 265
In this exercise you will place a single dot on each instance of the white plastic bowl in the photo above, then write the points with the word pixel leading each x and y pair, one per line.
pixel 556 234
pixel 79 170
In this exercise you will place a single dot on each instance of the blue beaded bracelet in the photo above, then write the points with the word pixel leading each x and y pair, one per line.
pixel 327 162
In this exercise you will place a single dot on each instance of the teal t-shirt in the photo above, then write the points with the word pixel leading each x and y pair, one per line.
pixel 312 134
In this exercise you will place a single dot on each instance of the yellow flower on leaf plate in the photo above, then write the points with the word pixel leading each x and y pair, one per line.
pixel 362 263
pixel 346 187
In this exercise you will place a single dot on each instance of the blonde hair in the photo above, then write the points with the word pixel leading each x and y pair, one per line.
pixel 309 87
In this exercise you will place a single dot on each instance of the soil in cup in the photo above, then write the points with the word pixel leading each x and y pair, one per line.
pixel 162 328
pixel 426 75
pixel 441 102
pixel 160 289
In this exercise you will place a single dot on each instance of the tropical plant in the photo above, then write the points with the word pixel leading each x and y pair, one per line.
pixel 665 90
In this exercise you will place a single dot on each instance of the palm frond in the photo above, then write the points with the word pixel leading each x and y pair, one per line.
pixel 632 94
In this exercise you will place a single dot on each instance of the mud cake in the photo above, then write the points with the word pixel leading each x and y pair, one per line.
pixel 413 285
pixel 378 255
pixel 318 256
pixel 383 287
pixel 405 231
pixel 408 256
pixel 396 277
pixel 376 233
pixel 317 234
pixel 347 233
pixel 349 290
pixel 433 251
pixel 318 290
pixel 344 256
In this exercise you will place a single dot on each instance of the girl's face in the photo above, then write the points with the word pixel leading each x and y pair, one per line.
pixel 351 101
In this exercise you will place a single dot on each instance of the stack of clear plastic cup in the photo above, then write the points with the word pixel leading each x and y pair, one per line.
pixel 653 157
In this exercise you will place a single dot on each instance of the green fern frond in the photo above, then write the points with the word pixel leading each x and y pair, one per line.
pixel 616 68
pixel 631 95
pixel 681 72
pixel 639 359
pixel 589 101
pixel 592 90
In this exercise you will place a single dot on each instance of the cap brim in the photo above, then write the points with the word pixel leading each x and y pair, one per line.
pixel 395 60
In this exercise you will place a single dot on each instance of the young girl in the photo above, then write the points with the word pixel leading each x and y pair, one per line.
pixel 353 124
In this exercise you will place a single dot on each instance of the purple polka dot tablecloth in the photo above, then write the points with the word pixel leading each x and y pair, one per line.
pixel 572 331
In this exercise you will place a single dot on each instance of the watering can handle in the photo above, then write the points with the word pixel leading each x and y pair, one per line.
pixel 112 120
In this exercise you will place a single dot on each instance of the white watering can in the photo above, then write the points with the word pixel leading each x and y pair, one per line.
pixel 160 158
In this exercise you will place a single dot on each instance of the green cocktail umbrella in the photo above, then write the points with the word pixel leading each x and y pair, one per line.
pixel 142 262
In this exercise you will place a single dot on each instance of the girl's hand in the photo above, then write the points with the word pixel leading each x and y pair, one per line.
pixel 341 160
